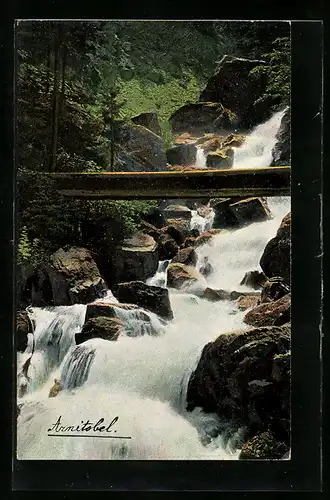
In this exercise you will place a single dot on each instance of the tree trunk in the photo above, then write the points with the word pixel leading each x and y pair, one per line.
pixel 112 139
pixel 49 54
pixel 64 58
pixel 56 98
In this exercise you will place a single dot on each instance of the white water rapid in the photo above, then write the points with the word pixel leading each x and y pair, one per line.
pixel 256 151
pixel 142 377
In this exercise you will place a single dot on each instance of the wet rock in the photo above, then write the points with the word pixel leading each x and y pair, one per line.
pixel 144 146
pixel 270 313
pixel 223 216
pixel 151 230
pixel 250 210
pixel 216 295
pixel 236 379
pixel 237 89
pixel 210 144
pixel 181 276
pixel 167 247
pixel 182 154
pixel 177 212
pixel 254 279
pixel 276 259
pixel 137 259
pixel 100 327
pixel 189 242
pixel 177 232
pixel 55 389
pixel 186 256
pixel 153 298
pixel 281 152
pixel 247 302
pixel 23 328
pixel 149 121
pixel 207 236
pixel 236 212
pixel 106 309
pixel 263 446
pixel 206 268
pixel 233 141
pixel 71 277
pixel 274 289
pixel 206 116
pixel 181 225
pixel 220 159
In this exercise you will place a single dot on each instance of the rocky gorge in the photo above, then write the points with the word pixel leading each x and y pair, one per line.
pixel 183 326
pixel 241 378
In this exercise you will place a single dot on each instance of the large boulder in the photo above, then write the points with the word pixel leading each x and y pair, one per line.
pixel 263 446
pixel 181 276
pixel 70 277
pixel 281 152
pixel 178 229
pixel 237 89
pixel 235 213
pixel 270 313
pixel 275 260
pixel 106 309
pixel 155 217
pixel 250 210
pixel 100 327
pixel 187 256
pixel 144 146
pixel 274 289
pixel 149 121
pixel 182 154
pixel 247 302
pixel 167 247
pixel 254 279
pixel 244 377
pixel 177 212
pixel 223 216
pixel 154 298
pixel 221 159
pixel 137 258
pixel 23 328
pixel 201 116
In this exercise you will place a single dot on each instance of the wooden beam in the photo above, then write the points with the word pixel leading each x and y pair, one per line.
pixel 270 181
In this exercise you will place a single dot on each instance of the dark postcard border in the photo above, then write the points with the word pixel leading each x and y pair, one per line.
pixel 302 472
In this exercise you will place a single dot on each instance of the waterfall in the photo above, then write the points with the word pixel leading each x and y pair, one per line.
pixel 160 277
pixel 256 150
pixel 142 377
pixel 200 159
pixel 201 223
pixel 53 338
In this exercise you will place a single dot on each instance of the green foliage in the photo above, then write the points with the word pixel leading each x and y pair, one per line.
pixel 278 73
pixel 111 71
pixel 164 98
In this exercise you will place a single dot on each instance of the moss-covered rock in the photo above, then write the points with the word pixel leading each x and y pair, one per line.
pixel 220 159
pixel 276 258
pixel 263 446
pixel 241 378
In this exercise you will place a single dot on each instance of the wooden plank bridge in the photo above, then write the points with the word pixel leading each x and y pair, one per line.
pixel 269 181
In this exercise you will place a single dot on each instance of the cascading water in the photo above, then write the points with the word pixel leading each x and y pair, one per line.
pixel 140 378
pixel 256 150
pixel 200 159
